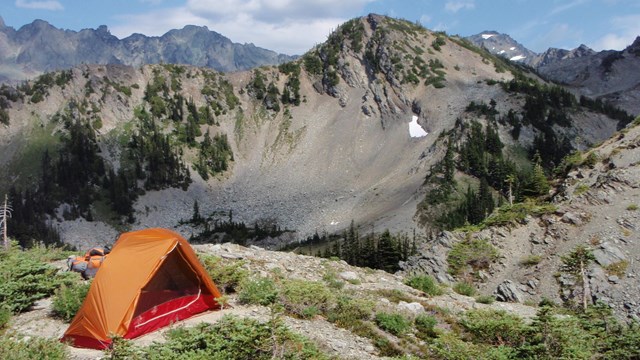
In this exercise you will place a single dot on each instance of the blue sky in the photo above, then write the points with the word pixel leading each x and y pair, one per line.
pixel 294 26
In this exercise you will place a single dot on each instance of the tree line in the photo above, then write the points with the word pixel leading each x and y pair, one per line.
pixel 382 251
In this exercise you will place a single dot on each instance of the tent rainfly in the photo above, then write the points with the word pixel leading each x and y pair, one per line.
pixel 150 279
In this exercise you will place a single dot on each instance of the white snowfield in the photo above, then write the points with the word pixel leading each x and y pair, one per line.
pixel 518 57
pixel 415 130
pixel 486 36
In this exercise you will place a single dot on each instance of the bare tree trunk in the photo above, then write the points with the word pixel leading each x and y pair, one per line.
pixel 4 224
pixel 510 195
pixel 586 290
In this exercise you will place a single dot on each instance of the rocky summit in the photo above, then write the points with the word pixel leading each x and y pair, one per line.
pixel 40 47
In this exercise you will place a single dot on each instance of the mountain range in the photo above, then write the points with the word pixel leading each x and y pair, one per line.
pixel 40 47
pixel 610 75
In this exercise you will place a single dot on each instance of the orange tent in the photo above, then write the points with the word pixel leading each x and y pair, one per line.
pixel 150 279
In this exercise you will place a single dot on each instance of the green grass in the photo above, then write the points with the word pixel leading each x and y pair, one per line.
pixel 530 260
pixel 516 213
pixel 305 299
pixel 485 299
pixel 68 299
pixel 464 288
pixel 21 347
pixel 26 278
pixel 260 291
pixel 476 254
pixel 581 189
pixel 230 338
pixel 349 311
pixel 618 268
pixel 395 324
pixel 227 274
pixel 425 283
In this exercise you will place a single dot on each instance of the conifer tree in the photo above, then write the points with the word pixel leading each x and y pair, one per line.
pixel 576 264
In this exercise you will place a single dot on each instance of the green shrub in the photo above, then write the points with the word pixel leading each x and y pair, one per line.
pixel 348 311
pixel 477 253
pixel 17 347
pixel 331 279
pixel 485 299
pixel 632 207
pixel 425 283
pixel 124 349
pixel 531 260
pixel 234 338
pixel 425 324
pixel 227 274
pixel 495 327
pixel 25 278
pixel 581 189
pixel 618 268
pixel 5 317
pixel 395 324
pixel 592 159
pixel 450 347
pixel 516 213
pixel 394 295
pixel 305 298
pixel 464 288
pixel 260 291
pixel 68 299
pixel 558 338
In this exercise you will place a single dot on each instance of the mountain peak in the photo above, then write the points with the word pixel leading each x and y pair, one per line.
pixel 503 45
pixel 635 47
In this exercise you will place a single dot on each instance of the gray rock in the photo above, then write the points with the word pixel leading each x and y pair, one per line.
pixel 508 292
pixel 349 276
pixel 444 278
pixel 614 279
pixel 413 307
pixel 571 218
pixel 608 254
pixel 483 275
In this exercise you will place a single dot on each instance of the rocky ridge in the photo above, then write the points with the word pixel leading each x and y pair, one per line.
pixel 40 47
pixel 608 75
pixel 596 206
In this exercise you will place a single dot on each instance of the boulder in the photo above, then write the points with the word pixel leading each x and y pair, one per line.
pixel 608 254
pixel 572 218
pixel 508 292
pixel 413 307
pixel 348 276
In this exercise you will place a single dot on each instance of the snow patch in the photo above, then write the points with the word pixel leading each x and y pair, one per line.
pixel 334 223
pixel 518 57
pixel 487 36
pixel 512 48
pixel 501 52
pixel 415 130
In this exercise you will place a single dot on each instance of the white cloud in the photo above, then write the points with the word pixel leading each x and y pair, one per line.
pixel 455 6
pixel 566 6
pixel 425 19
pixel 287 26
pixel 39 5
pixel 626 29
